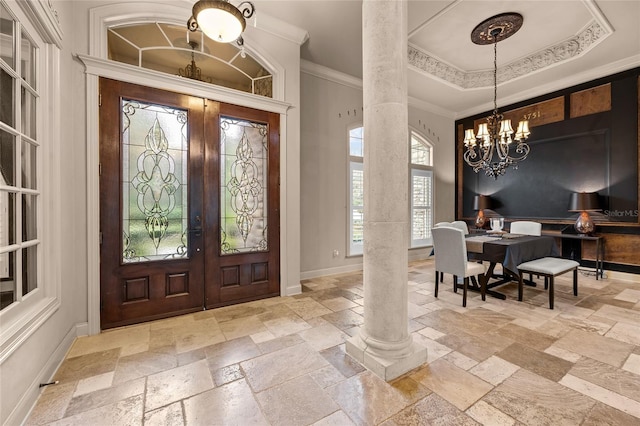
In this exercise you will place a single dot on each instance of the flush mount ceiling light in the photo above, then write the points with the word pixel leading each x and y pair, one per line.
pixel 220 20
pixel 496 135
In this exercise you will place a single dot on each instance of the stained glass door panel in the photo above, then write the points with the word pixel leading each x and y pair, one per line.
pixel 151 155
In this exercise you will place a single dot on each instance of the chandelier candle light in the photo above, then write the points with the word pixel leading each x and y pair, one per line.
pixel 220 20
pixel 496 135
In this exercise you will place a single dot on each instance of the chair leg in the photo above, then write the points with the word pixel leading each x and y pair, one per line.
pixel 455 284
pixel 575 281
pixel 520 285
pixel 465 284
pixel 551 292
pixel 436 292
pixel 437 276
pixel 546 282
pixel 483 287
pixel 441 276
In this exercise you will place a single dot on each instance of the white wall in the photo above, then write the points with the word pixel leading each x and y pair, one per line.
pixel 329 107
pixel 34 360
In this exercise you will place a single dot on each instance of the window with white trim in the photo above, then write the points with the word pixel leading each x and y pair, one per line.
pixel 356 190
pixel 28 84
pixel 421 191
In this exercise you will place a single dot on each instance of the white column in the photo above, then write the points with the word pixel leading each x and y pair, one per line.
pixel 384 344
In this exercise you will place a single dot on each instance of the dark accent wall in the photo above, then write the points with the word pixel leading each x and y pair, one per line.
pixel 593 146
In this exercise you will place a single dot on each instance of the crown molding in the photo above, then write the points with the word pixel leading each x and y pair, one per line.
pixel 329 74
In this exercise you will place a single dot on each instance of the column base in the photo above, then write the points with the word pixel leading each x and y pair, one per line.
pixel 386 367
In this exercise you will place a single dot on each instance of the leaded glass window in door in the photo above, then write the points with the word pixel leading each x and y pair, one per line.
pixel 154 182
pixel 243 186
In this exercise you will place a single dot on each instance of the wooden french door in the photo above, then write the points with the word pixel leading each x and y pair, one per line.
pixel 189 204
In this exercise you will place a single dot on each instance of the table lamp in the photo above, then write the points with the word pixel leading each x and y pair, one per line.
pixel 584 202
pixel 481 202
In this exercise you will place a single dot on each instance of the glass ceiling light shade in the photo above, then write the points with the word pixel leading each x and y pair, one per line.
pixel 220 20
pixel 496 135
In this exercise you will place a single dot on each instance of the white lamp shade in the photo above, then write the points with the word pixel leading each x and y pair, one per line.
pixel 523 130
pixel 505 128
pixel 219 25
pixel 469 137
pixel 483 131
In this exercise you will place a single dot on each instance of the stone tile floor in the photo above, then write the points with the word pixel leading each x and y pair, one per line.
pixel 281 361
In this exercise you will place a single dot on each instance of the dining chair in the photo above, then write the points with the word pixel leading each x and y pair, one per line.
pixel 461 224
pixel 450 250
pixel 526 227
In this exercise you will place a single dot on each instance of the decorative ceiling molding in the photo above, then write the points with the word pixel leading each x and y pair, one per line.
pixel 569 49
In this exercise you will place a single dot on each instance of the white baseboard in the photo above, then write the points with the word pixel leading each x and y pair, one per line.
pixel 330 271
pixel 23 408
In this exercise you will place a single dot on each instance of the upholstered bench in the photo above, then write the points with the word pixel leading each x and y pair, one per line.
pixel 548 267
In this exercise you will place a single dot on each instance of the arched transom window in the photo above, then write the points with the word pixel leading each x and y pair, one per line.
pixel 172 49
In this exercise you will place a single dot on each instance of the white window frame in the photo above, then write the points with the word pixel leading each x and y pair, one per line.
pixel 22 318
pixel 355 163
pixel 424 171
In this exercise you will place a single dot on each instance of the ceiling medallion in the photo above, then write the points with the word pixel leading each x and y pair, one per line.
pixel 496 135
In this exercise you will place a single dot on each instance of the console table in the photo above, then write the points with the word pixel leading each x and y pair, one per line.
pixel 599 239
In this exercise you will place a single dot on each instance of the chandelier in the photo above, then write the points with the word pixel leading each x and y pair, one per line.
pixel 220 20
pixel 192 71
pixel 496 136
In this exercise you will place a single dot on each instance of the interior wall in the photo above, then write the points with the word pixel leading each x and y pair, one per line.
pixel 36 358
pixel 328 110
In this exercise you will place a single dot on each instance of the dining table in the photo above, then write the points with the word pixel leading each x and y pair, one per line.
pixel 510 250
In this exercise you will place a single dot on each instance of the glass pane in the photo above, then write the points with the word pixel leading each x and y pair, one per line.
pixel 154 182
pixel 421 224
pixel 357 188
pixel 7 158
pixel 7 280
pixel 29 171
pixel 29 217
pixel 7 25
pixel 28 114
pixel 421 190
pixel 243 192
pixel 357 216
pixel 7 99
pixel 28 59
pixel 7 218
pixel 420 152
pixel 29 269
pixel 356 143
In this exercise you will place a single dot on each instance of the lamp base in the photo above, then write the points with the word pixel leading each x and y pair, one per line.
pixel 584 224
pixel 480 220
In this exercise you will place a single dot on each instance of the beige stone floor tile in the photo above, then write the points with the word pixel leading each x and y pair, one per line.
pixel 525 336
pixel 366 398
pixel 199 338
pixel 194 355
pixel 624 332
pixel 327 376
pixel 475 347
pixel 171 415
pixel 608 377
pixel 127 412
pixel 344 319
pixel 236 312
pixel 435 350
pixel 262 336
pixel 231 404
pixel 227 374
pixel 52 403
pixel 308 308
pixel 563 353
pixel 457 386
pixel 338 304
pixel 431 333
pixel 486 414
pixel 629 295
pixel 459 360
pixel 241 327
pixel 632 364
pixel 277 367
pixel 339 418
pixel 84 366
pixel 110 339
pixel 595 346
pixel 143 364
pixel 176 384
pixel 92 384
pixel 104 397
pixel 602 414
pixel 299 401
pixel 494 370
pixel 534 400
pixel 432 410
pixel 541 363
pixel 285 325
pixel 337 357
pixel 280 343
pixel 231 352
pixel 601 394
pixel 323 337
pixel 410 390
